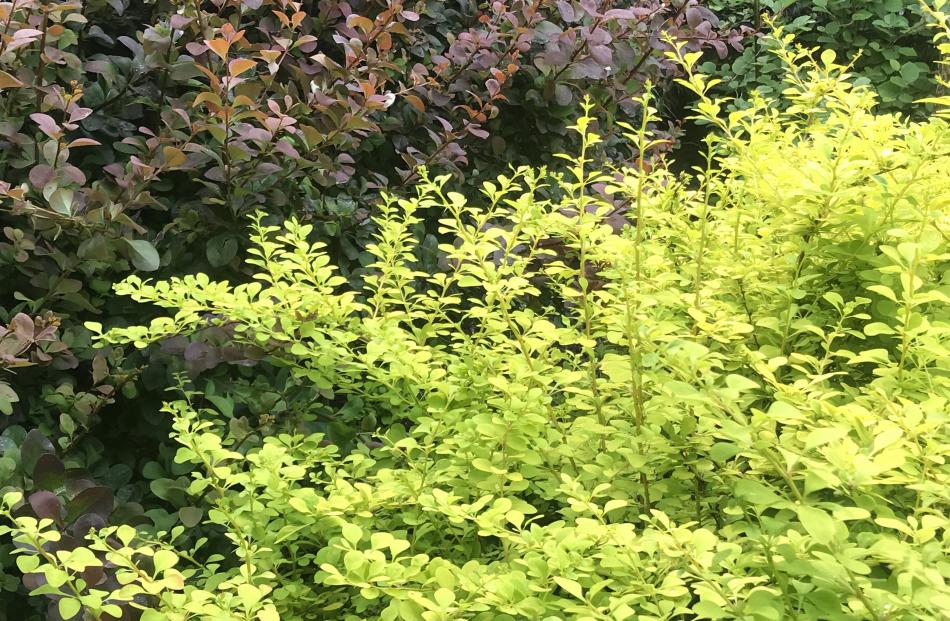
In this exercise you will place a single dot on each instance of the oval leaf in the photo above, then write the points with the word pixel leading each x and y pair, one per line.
pixel 34 446
pixel 96 500
pixel 46 505
pixel 49 472
pixel 143 255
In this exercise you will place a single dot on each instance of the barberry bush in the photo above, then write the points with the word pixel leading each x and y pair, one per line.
pixel 736 408
pixel 137 138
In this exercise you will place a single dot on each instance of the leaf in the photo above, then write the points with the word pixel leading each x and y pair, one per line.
pixel 49 472
pixel 221 250
pixel 143 255
pixel 173 156
pixel 85 523
pixel 415 102
pixel 190 516
pixel 164 559
pixel 219 47
pixel 563 95
pixel 24 328
pixel 267 614
pixel 61 201
pixel 27 562
pixel 7 466
pixel 46 505
pixel 96 499
pixel 352 533
pixel 877 328
pixel 84 142
pixel 757 493
pixel 8 81
pixel 740 383
pixel 41 175
pixel 693 17
pixel 239 65
pixel 358 21
pixel 34 446
pixel 566 10
pixel 571 586
pixel 910 72
pixel 69 608
pixel 47 125
pixel 819 524
pixel 722 451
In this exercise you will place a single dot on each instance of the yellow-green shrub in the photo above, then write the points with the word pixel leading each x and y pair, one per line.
pixel 735 409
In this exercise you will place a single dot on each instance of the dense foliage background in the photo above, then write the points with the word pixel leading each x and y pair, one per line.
pixel 889 40
pixel 726 360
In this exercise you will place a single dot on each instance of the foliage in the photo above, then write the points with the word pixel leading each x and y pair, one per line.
pixel 68 499
pixel 888 39
pixel 137 137
pixel 34 338
pixel 735 409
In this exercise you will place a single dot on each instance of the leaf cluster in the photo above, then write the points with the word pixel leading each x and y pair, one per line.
pixel 736 408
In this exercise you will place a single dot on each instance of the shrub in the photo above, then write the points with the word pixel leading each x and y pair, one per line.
pixel 735 409
pixel 889 40
pixel 138 136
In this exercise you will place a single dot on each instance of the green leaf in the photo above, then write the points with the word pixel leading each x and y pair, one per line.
pixel 757 493
pixel 190 516
pixel 62 201
pixel 722 451
pixel 267 614
pixel 819 524
pixel 444 597
pixel 740 383
pixel 221 250
pixel 8 397
pixel 69 608
pixel 164 559
pixel 571 586
pixel 910 72
pixel 352 533
pixel 143 255
pixel 27 562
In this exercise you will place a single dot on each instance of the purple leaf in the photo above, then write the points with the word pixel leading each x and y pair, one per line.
pixel 196 49
pixel 602 54
pixel 46 505
pixel 23 327
pixel 96 500
pixel 563 95
pixel 85 523
pixel 47 125
pixel 41 175
pixel 693 17
pixel 76 482
pixel 133 45
pixel 34 446
pixel 567 10
pixel 49 472
pixel 180 22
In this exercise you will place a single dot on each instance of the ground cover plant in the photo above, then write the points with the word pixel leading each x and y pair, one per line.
pixel 735 408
